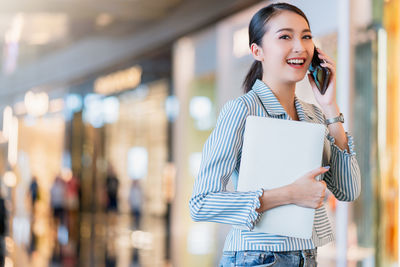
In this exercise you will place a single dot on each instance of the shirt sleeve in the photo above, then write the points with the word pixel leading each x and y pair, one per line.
pixel 343 178
pixel 210 200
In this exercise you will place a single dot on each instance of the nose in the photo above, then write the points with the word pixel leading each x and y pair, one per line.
pixel 298 46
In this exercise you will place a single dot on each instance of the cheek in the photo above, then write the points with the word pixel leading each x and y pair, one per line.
pixel 274 55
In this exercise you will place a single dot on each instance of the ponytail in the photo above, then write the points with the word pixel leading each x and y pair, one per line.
pixel 255 72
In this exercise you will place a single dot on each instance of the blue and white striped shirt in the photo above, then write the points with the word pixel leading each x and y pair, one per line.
pixel 221 157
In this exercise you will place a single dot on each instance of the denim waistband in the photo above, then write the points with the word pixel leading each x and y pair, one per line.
pixel 304 253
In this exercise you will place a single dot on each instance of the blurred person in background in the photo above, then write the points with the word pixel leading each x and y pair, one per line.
pixel 57 199
pixel 281 43
pixel 112 185
pixel 34 193
pixel 57 202
pixel 72 193
pixel 135 202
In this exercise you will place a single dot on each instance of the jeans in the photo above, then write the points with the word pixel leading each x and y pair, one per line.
pixel 299 258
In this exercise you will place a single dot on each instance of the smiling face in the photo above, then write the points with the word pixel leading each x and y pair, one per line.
pixel 286 49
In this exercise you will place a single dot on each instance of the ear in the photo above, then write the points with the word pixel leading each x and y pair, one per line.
pixel 257 52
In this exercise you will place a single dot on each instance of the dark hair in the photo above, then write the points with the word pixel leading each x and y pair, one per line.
pixel 257 30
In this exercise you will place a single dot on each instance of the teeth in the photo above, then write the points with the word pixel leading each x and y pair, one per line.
pixel 295 61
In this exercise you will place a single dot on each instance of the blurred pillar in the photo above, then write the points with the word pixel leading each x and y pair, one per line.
pixel 344 97
pixel 389 137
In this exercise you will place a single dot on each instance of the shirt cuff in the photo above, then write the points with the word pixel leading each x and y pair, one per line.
pixel 350 143
pixel 254 216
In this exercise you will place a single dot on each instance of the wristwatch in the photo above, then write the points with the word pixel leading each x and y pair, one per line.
pixel 339 118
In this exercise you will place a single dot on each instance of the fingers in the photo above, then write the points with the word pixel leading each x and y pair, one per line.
pixel 330 66
pixel 319 171
pixel 322 55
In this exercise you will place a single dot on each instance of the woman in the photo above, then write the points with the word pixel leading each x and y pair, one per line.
pixel 282 46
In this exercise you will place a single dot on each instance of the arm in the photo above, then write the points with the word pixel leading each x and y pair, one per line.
pixel 210 200
pixel 343 179
pixel 306 192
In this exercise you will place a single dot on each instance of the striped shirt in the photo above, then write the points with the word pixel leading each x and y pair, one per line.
pixel 221 158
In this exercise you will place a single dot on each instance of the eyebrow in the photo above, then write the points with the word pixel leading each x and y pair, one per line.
pixel 291 30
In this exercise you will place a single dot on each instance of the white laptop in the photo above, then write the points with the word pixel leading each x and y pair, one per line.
pixel 275 153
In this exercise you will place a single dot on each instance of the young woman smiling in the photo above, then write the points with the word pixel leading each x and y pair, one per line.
pixel 282 46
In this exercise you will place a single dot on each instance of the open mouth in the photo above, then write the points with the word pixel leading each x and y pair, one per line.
pixel 296 62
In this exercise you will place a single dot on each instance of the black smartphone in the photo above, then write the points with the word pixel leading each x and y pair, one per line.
pixel 321 75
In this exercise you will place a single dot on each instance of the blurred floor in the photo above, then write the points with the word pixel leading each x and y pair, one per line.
pixel 100 240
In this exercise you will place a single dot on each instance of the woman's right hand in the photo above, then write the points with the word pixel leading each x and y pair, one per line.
pixel 307 191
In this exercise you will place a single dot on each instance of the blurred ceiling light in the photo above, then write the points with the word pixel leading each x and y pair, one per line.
pixel 201 110
pixel 36 104
pixel 103 19
pixel 74 102
pixel 56 105
pixel 10 179
pixel 118 81
pixel 7 120
pixel 19 108
pixel 92 112
pixel 11 44
pixel 110 109
pixel 13 35
pixel 241 43
pixel 13 142
pixel 200 107
pixel 172 107
pixel 137 162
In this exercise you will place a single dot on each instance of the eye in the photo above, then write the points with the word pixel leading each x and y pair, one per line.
pixel 309 37
pixel 285 37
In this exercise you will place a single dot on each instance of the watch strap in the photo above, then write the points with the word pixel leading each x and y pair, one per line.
pixel 339 118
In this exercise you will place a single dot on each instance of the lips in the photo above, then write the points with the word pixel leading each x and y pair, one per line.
pixel 297 62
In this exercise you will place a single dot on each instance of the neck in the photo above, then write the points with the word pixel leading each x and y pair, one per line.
pixel 284 92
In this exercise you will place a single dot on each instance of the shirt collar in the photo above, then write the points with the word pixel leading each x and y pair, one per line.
pixel 274 107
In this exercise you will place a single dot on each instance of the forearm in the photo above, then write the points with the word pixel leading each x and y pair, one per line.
pixel 275 198
pixel 336 130
pixel 235 208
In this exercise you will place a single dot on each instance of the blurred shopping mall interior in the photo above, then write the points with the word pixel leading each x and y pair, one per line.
pixel 90 89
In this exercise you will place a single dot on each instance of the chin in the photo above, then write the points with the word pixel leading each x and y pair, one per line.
pixel 296 79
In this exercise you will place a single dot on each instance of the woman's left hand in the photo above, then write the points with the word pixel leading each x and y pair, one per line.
pixel 329 98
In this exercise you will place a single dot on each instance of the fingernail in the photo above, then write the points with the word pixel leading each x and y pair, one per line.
pixel 327 167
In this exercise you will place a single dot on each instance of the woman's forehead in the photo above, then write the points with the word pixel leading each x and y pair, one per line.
pixel 287 20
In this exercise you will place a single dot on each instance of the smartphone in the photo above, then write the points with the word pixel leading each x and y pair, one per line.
pixel 321 75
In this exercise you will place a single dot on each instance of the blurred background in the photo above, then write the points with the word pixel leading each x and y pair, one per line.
pixel 106 106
